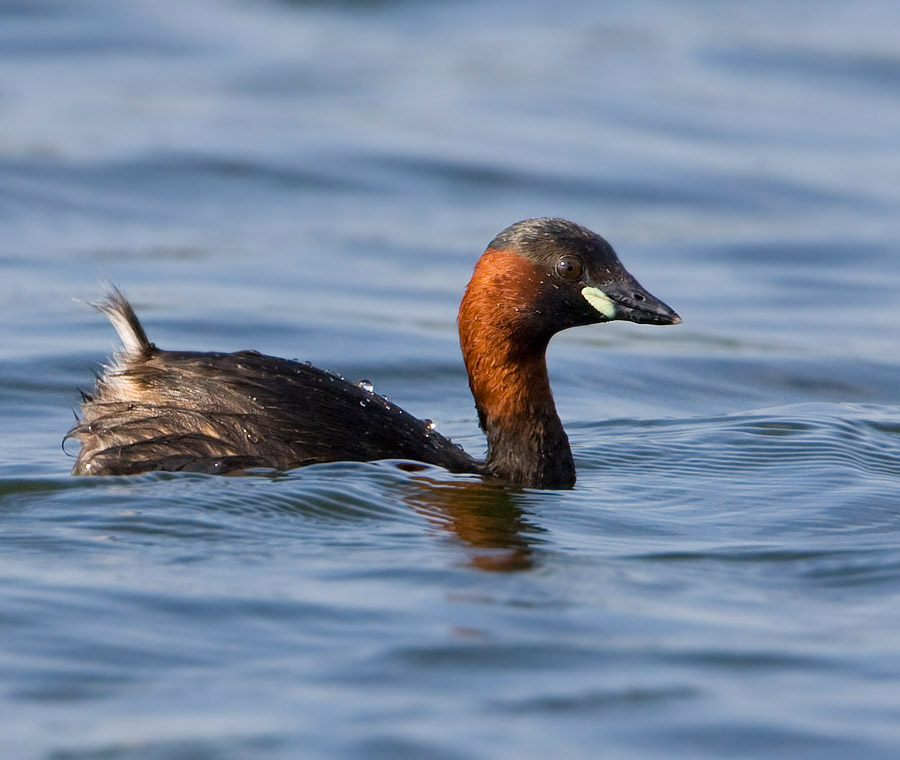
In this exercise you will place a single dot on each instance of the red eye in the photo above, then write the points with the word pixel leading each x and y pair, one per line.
pixel 569 268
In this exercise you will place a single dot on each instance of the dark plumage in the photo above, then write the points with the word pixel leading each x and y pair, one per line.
pixel 215 412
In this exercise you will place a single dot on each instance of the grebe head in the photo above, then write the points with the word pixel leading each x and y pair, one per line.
pixel 573 277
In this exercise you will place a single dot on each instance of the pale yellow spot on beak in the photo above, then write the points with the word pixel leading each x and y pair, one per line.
pixel 600 301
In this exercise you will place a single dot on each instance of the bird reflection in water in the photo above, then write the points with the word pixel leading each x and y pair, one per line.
pixel 486 517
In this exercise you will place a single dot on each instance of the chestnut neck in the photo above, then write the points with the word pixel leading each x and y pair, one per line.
pixel 504 338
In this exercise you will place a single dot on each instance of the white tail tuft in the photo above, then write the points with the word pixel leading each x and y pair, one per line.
pixel 116 307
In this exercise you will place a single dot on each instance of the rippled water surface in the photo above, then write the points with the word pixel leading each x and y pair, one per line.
pixel 316 180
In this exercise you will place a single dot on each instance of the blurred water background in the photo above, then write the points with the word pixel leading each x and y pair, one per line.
pixel 316 180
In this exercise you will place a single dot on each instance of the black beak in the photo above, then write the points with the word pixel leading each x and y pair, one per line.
pixel 626 299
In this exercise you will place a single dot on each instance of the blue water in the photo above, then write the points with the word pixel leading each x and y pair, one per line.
pixel 316 180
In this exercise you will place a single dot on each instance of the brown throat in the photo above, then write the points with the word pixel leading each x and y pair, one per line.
pixel 504 339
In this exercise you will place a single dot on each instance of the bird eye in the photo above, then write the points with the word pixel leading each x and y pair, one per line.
pixel 569 268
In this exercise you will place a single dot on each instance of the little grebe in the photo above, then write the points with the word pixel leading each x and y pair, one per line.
pixel 217 413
